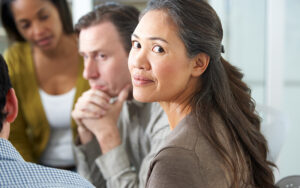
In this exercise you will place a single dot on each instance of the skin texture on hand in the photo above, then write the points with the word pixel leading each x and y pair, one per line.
pixel 94 115
pixel 84 134
pixel 92 104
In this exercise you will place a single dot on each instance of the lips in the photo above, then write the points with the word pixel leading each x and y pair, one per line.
pixel 99 87
pixel 44 41
pixel 140 80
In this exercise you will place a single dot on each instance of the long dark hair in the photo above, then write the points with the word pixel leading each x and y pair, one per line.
pixel 221 90
pixel 9 24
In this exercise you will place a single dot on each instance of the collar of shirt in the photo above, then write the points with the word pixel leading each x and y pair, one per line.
pixel 8 151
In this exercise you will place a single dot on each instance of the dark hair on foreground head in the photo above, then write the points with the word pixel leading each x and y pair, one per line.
pixel 221 90
pixel 5 85
pixel 124 18
pixel 7 18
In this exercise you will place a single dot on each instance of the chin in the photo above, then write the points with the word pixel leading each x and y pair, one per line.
pixel 142 97
pixel 48 48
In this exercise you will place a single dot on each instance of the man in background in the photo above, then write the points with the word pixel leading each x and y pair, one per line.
pixel 119 136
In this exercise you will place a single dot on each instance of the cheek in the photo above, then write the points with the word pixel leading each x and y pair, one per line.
pixel 124 74
pixel 56 26
pixel 107 72
pixel 54 22
pixel 172 77
pixel 24 33
pixel 131 60
pixel 165 73
pixel 117 72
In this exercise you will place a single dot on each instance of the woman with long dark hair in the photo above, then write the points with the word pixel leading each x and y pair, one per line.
pixel 215 140
pixel 46 72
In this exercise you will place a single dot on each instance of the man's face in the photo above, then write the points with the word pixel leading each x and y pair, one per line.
pixel 105 59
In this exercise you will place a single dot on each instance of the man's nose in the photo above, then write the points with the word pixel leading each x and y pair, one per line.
pixel 90 69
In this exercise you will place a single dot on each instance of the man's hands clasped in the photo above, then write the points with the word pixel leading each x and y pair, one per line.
pixel 96 116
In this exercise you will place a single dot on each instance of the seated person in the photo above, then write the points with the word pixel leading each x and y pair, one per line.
pixel 215 140
pixel 119 136
pixel 15 172
pixel 46 72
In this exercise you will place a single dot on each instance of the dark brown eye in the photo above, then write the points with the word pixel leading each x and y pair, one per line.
pixel 25 25
pixel 136 44
pixel 158 49
pixel 44 17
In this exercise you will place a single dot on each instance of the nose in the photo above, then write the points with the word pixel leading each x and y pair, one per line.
pixel 37 29
pixel 138 59
pixel 90 69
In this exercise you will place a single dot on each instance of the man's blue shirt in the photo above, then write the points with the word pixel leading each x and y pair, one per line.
pixel 15 172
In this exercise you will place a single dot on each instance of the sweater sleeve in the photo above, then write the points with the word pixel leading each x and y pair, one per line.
pixel 86 155
pixel 116 165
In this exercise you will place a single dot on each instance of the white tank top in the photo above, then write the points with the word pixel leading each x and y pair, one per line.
pixel 58 152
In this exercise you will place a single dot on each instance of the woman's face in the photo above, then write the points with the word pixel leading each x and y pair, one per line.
pixel 38 22
pixel 158 62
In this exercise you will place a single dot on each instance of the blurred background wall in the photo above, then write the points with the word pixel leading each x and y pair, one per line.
pixel 262 37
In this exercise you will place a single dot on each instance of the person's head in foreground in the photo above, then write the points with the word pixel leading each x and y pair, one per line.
pixel 8 101
pixel 104 43
pixel 14 170
pixel 176 60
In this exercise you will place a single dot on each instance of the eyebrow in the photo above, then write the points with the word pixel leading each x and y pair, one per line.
pixel 152 38
pixel 90 52
pixel 42 10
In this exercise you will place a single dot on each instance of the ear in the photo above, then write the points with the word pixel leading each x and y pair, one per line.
pixel 11 106
pixel 200 63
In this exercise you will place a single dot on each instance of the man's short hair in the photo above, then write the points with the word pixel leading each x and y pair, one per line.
pixel 124 17
pixel 5 85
